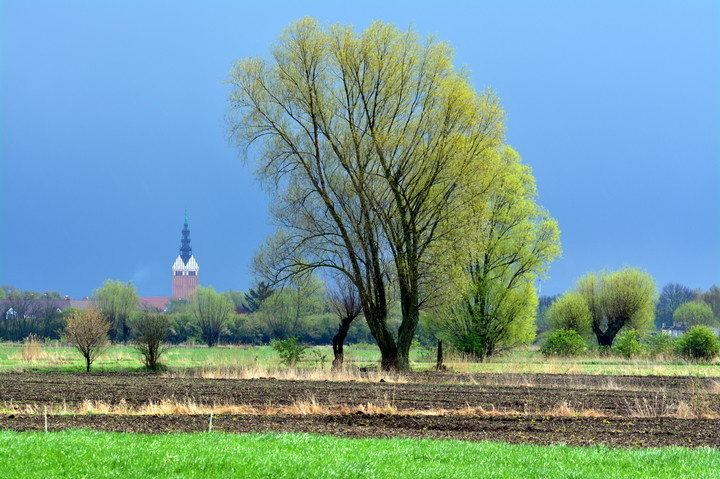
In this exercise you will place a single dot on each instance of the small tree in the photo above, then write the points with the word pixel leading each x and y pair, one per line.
pixel 698 344
pixel 290 351
pixel 152 328
pixel 345 303
pixel 88 331
pixel 117 301
pixel 617 300
pixel 211 311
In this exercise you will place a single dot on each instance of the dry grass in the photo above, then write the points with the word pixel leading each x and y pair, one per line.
pixel 714 387
pixel 310 406
pixel 657 406
pixel 311 374
pixel 689 410
pixel 32 350
pixel 564 409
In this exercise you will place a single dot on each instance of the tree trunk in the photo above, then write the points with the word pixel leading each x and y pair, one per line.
pixel 87 364
pixel 606 338
pixel 439 363
pixel 410 319
pixel 386 343
pixel 389 360
pixel 338 341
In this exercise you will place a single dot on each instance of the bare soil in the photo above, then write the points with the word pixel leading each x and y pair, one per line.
pixel 523 408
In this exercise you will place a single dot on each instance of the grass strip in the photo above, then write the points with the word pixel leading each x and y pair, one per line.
pixel 208 455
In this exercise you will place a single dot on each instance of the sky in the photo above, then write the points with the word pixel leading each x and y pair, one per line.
pixel 112 125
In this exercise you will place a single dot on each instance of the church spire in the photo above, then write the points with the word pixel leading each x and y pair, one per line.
pixel 185 248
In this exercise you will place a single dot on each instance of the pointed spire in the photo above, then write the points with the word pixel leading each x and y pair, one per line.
pixel 185 248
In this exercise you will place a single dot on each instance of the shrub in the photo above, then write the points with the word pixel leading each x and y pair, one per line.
pixel 660 344
pixel 290 351
pixel 564 342
pixel 627 344
pixel 698 344
pixel 152 329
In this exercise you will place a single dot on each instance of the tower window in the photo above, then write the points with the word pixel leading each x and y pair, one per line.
pixel 192 273
pixel 178 273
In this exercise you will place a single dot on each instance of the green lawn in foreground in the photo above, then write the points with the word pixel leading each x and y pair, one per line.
pixel 99 454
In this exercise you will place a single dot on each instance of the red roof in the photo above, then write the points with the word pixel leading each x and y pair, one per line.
pixel 154 302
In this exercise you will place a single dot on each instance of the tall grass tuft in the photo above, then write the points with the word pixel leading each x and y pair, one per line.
pixel 32 349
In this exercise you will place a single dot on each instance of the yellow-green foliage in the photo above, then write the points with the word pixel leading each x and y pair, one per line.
pixel 513 242
pixel 617 300
pixel 379 153
pixel 694 313
pixel 571 312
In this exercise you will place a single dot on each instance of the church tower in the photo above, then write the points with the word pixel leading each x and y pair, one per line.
pixel 185 270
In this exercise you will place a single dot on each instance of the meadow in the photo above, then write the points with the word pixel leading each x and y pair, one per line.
pixel 54 356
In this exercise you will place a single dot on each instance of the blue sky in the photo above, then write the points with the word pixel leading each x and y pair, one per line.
pixel 112 124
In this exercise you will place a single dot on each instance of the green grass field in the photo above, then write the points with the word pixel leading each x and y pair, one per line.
pixel 99 454
pixel 524 361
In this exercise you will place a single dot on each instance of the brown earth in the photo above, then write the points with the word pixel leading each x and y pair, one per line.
pixel 525 408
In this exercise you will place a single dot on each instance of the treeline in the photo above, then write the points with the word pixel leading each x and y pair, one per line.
pixel 258 316
pixel 308 311
pixel 29 312
pixel 676 304
pixel 621 311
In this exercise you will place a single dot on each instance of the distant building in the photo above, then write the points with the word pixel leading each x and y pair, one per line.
pixel 185 276
pixel 185 270
pixel 676 330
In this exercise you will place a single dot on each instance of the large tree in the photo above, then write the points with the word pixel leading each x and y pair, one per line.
pixel 373 144
pixel 514 241
pixel 116 300
pixel 617 300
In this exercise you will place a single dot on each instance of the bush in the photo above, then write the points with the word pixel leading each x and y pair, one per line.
pixel 152 328
pixel 564 342
pixel 698 344
pixel 571 312
pixel 290 351
pixel 660 344
pixel 627 344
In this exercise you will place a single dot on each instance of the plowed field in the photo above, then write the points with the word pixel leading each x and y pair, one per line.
pixel 542 409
